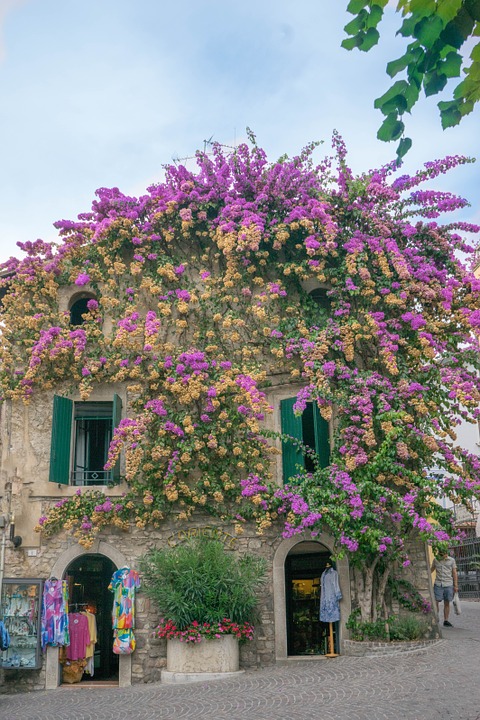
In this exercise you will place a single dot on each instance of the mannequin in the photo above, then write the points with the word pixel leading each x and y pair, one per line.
pixel 330 596
pixel 330 602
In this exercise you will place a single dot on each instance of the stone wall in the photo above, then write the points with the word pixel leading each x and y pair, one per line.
pixel 150 655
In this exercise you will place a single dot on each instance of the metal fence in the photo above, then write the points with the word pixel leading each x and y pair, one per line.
pixel 467 556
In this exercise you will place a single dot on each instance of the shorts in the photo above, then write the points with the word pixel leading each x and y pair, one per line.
pixel 443 593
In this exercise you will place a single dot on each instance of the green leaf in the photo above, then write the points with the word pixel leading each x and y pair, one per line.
pixel 397 104
pixel 370 39
pixel 434 83
pixel 428 30
pixel 458 30
pixel 400 87
pixel 449 113
pixel 376 14
pixel 351 43
pixel 447 9
pixel 408 27
pixel 473 9
pixel 475 54
pixel 391 128
pixel 451 65
pixel 354 6
pixel 396 66
pixel 357 24
pixel 403 147
pixel 422 8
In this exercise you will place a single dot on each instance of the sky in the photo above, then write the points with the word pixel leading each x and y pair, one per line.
pixel 104 93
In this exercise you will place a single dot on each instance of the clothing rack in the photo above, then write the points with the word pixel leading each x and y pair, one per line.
pixel 73 607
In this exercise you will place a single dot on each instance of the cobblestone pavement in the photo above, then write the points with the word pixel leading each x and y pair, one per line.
pixel 438 683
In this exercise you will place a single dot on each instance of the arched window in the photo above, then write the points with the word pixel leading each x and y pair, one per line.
pixel 320 297
pixel 78 308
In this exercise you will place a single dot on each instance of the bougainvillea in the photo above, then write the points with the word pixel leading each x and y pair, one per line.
pixel 199 302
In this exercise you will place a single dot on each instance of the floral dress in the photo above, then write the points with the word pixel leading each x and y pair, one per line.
pixel 123 584
pixel 55 629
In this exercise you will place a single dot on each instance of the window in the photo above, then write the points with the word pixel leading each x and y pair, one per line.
pixel 81 435
pixel 320 298
pixel 78 308
pixel 310 429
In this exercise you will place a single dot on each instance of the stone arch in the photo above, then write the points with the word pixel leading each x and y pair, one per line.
pixel 58 570
pixel 279 593
pixel 77 305
pixel 75 551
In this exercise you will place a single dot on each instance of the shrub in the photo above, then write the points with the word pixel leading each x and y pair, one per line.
pixel 200 582
pixel 408 628
pixel 384 630
pixel 366 630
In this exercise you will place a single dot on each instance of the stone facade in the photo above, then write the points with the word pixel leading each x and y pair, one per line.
pixel 25 492
pixel 149 658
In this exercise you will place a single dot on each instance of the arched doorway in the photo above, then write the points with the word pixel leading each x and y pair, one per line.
pixel 59 568
pixel 88 577
pixel 323 544
pixel 306 634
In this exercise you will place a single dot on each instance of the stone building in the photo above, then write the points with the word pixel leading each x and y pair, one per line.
pixel 56 444
pixel 289 604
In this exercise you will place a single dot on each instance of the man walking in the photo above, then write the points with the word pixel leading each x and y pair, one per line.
pixel 446 583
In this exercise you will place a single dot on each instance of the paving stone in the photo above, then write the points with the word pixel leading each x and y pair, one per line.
pixel 435 683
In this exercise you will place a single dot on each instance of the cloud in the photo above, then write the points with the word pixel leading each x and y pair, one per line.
pixel 5 7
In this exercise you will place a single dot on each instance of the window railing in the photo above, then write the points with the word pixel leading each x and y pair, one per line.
pixel 92 477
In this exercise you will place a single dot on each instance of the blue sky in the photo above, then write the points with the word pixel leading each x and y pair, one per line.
pixel 104 92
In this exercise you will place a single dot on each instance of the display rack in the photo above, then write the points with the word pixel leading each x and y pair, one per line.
pixel 20 609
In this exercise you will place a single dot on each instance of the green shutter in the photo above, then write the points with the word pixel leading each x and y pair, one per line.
pixel 322 437
pixel 116 417
pixel 61 439
pixel 291 425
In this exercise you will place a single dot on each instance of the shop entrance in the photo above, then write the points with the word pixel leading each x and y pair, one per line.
pixel 87 579
pixel 306 635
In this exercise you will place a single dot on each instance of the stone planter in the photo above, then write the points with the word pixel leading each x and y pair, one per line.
pixel 364 648
pixel 206 660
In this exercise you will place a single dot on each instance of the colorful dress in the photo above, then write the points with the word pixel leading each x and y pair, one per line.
pixel 123 584
pixel 55 629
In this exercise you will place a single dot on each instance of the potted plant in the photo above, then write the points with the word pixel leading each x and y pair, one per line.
pixel 208 597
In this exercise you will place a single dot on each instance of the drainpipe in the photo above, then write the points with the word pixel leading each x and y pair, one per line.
pixel 4 519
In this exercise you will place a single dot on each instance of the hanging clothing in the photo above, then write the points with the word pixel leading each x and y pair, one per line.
pixel 90 649
pixel 79 637
pixel 55 630
pixel 123 585
pixel 123 642
pixel 4 637
pixel 330 596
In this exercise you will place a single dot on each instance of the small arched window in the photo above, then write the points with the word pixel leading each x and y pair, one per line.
pixel 78 308
pixel 320 297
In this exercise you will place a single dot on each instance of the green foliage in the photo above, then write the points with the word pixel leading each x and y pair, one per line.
pixel 392 629
pixel 438 30
pixel 201 581
pixel 408 628
pixel 407 595
pixel 367 630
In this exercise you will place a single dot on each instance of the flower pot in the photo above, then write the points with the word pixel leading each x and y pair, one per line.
pixel 216 655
